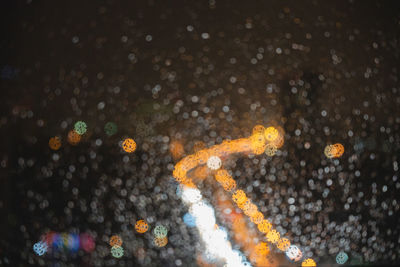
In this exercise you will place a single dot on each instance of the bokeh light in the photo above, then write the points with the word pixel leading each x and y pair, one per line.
pixel 273 236
pixel 264 226
pixel 214 163
pixel 40 248
pixel 160 231
pixel 73 137
pixel 141 226
pixel 117 251
pixel 68 242
pixel 115 241
pixel 189 220
pixel 225 179
pixel 294 253
pixel 73 242
pixel 271 134
pixel 160 241
pixel 270 150
pixel 258 144
pixel 55 143
pixel 57 242
pixel 257 217
pixel 337 150
pixel 334 151
pixel 191 195
pixel 258 129
pixel 87 242
pixel 80 127
pixel 283 244
pixel 308 263
pixel 341 257
pixel 239 197
pixel 129 145
pixel 110 128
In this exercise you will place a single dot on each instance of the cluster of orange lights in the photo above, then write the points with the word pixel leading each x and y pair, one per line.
pixel 263 225
pixel 141 226
pixel 244 235
pixel 262 140
pixel 259 251
pixel 256 143
pixel 75 135
pixel 73 138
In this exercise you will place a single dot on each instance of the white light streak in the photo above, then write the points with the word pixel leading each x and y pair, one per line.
pixel 215 240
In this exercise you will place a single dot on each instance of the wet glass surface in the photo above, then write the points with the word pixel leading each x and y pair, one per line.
pixel 102 99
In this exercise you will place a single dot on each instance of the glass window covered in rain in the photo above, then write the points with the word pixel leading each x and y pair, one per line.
pixel 199 133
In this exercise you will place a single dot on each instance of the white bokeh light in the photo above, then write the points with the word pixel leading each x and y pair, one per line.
pixel 214 163
pixel 294 253
pixel 191 195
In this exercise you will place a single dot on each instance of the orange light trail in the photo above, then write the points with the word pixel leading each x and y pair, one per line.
pixel 256 144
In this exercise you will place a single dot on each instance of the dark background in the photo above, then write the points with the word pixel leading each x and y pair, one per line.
pixel 60 59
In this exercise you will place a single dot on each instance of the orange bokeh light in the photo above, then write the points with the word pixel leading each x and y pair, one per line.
pixel 257 217
pixel 265 226
pixel 176 149
pixel 271 134
pixel 73 137
pixel 115 241
pixel 160 242
pixel 141 226
pixel 129 145
pixel 55 143
pixel 273 236
pixel 308 263
pixel 334 151
pixel 239 197
pixel 283 244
